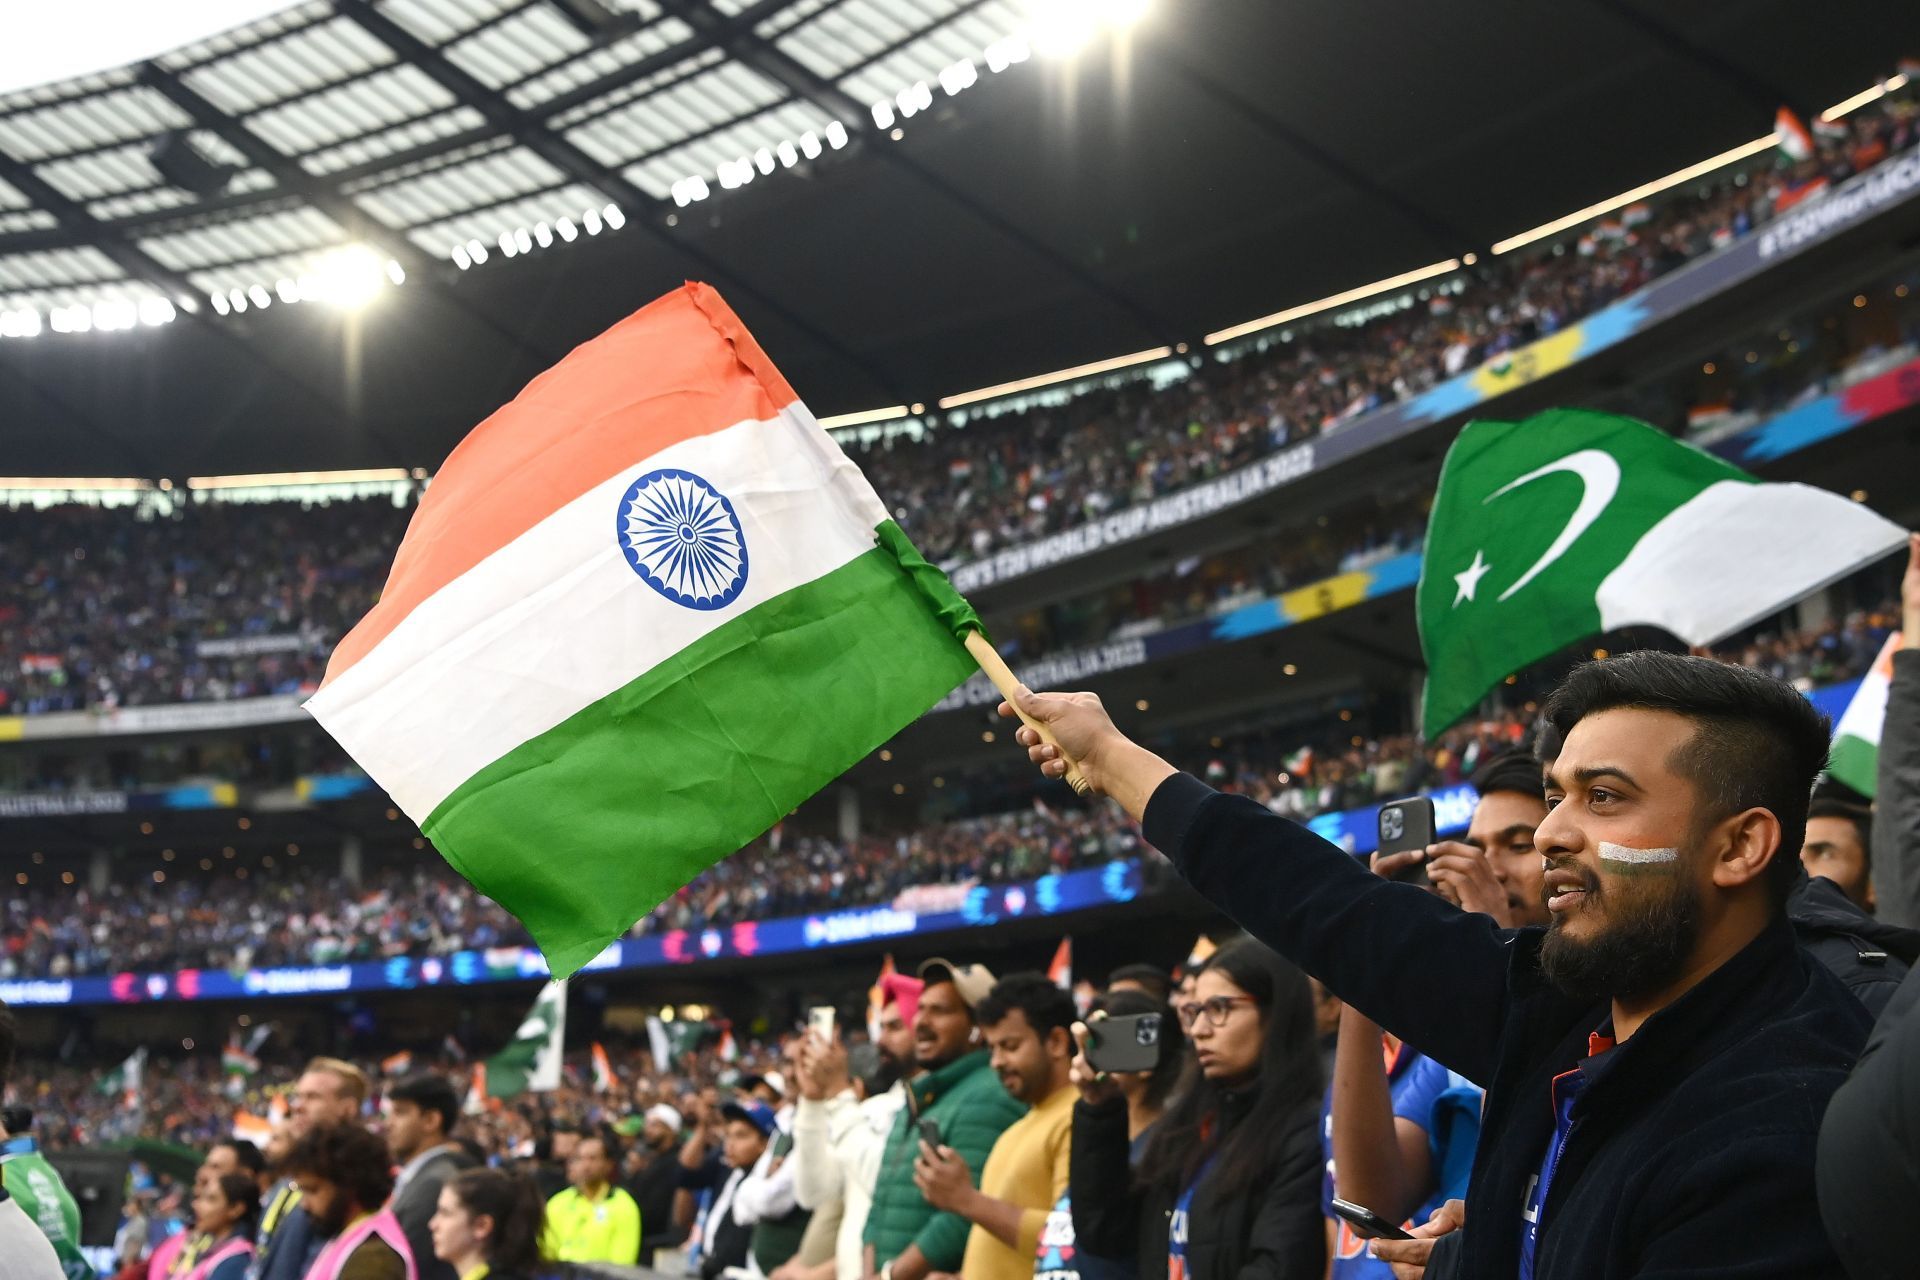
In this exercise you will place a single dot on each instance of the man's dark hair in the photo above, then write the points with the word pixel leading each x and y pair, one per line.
pixel 1034 994
pixel 1512 770
pixel 245 1154
pixel 1151 978
pixel 9 1036
pixel 1757 743
pixel 430 1093
pixel 1859 815
pixel 608 1143
pixel 347 1156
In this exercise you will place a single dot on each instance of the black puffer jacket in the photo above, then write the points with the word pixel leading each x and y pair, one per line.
pixel 1868 954
pixel 1268 1231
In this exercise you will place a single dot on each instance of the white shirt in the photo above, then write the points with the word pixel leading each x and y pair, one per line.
pixel 25 1252
pixel 837 1149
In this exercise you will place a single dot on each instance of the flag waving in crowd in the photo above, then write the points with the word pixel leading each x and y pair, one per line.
pixel 644 611
pixel 1571 523
pixel 531 1063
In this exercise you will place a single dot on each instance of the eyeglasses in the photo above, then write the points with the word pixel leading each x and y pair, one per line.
pixel 1215 1011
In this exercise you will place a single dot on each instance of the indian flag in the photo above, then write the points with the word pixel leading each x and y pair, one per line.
pixel 603 1077
pixel 643 612
pixel 1856 739
pixel 1548 531
pixel 236 1061
pixel 1061 970
pixel 1790 131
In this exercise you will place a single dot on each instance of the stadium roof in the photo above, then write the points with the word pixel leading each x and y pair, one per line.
pixel 901 203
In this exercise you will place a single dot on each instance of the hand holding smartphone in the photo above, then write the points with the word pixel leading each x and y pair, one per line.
pixel 1367 1224
pixel 1406 825
pixel 1130 1042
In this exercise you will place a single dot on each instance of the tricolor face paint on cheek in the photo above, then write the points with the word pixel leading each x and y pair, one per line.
pixel 1620 857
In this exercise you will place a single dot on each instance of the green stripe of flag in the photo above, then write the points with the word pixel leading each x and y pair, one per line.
pixel 633 796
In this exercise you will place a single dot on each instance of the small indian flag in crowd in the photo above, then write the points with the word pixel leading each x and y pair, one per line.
pixel 397 1064
pixel 603 1078
pixel 729 1050
pixel 1856 739
pixel 1061 970
pixel 1792 134
pixel 236 1061
pixel 644 611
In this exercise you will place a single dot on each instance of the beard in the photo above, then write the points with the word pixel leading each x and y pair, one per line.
pixel 1651 928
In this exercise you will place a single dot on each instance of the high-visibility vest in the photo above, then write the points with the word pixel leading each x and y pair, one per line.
pixel 333 1259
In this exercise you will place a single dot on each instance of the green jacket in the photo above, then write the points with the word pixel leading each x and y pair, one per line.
pixel 971 1107
pixel 33 1182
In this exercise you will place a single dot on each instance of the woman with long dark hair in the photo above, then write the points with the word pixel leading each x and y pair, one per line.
pixel 488 1225
pixel 1229 1184
pixel 226 1213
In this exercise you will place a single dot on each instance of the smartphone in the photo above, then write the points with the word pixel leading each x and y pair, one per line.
pixel 1130 1042
pixel 1406 825
pixel 930 1132
pixel 821 1020
pixel 1367 1224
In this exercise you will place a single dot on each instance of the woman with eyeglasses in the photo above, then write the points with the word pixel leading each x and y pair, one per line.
pixel 1229 1185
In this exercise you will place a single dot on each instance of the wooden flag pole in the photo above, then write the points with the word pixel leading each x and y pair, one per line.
pixel 1009 686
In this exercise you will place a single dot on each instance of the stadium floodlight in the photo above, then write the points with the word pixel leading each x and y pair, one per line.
pixel 542 234
pixel 237 298
pixel 863 417
pixel 156 311
pixel 220 304
pixel 476 251
pixel 788 156
pixel 590 219
pixel 115 314
pixel 348 277
pixel 22 322
pixel 566 229
pixel 507 246
pixel 810 145
pixel 882 114
pixel 1057 376
pixel 1060 28
pixel 763 159
pixel 960 75
pixel 460 257
pixel 396 272
pixel 836 134
pixel 74 319
pixel 258 296
pixel 1002 54
pixel 288 290
pixel 615 218
pixel 1333 300
pixel 523 239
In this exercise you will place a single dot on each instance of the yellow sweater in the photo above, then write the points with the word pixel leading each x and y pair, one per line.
pixel 1028 1167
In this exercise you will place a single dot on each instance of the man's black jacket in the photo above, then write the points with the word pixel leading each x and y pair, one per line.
pixel 1691 1155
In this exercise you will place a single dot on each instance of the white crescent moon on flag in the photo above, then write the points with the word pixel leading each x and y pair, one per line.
pixel 1599 474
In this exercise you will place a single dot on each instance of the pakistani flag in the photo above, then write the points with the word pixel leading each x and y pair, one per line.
pixel 1571 523
pixel 531 1064
pixel 1856 739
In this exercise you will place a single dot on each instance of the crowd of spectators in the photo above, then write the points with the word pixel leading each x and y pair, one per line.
pixel 113 609
pixel 307 915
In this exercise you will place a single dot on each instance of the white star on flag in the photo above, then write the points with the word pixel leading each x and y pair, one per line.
pixel 1468 579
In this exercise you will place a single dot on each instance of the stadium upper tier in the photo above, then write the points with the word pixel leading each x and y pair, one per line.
pixel 207 601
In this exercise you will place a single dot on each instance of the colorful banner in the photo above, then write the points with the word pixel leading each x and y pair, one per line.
pixel 70 804
pixel 979 905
